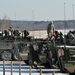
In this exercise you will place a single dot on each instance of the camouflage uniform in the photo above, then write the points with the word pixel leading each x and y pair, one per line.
pixel 50 30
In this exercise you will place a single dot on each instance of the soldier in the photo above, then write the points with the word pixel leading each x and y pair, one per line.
pixel 51 30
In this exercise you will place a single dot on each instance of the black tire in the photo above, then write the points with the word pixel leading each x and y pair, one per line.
pixel 6 55
pixel 16 55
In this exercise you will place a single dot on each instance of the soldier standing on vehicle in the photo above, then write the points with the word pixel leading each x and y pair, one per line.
pixel 51 30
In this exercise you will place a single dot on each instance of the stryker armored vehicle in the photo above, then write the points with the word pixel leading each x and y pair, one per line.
pixel 54 56
pixel 13 51
pixel 67 58
pixel 48 52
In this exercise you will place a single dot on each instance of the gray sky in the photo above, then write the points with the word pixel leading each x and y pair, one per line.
pixel 38 10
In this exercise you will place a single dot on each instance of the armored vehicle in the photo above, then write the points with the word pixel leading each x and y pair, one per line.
pixel 27 51
pixel 48 52
pixel 66 56
pixel 13 51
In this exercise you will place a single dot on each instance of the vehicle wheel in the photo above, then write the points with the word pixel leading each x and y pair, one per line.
pixel 16 55
pixel 6 55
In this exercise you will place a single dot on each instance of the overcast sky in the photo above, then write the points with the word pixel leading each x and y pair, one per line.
pixel 38 10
